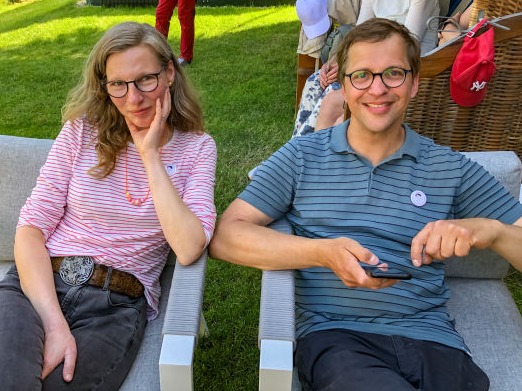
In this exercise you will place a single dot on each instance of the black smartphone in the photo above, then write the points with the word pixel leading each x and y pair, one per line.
pixel 389 273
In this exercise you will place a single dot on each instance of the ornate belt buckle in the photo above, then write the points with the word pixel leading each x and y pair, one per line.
pixel 76 270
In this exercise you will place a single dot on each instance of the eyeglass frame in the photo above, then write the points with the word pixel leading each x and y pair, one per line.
pixel 349 76
pixel 442 22
pixel 156 75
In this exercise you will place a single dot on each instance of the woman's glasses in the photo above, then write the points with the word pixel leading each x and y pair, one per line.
pixel 446 24
pixel 119 88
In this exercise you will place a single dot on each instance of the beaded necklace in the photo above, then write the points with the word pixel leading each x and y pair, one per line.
pixel 137 201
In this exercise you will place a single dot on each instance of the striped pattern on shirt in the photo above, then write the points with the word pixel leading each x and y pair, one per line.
pixel 327 191
pixel 82 215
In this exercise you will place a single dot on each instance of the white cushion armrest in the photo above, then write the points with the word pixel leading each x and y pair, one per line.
pixel 277 313
pixel 276 330
pixel 277 325
pixel 181 325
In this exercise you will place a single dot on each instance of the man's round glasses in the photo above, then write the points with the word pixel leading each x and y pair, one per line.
pixel 391 78
pixel 119 88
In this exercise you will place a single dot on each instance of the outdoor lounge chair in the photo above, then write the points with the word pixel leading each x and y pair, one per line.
pixel 166 355
pixel 486 315
pixel 485 312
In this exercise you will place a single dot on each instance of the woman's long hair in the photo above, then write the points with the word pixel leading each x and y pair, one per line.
pixel 89 98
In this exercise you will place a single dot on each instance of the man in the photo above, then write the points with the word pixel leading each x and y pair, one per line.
pixel 372 193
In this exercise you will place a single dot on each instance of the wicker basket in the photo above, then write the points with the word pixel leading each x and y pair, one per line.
pixel 496 123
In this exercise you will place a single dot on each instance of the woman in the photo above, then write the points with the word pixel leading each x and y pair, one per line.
pixel 130 176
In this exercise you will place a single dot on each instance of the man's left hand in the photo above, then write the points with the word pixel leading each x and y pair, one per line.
pixel 442 239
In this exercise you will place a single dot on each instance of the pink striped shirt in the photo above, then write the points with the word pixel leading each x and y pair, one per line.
pixel 82 215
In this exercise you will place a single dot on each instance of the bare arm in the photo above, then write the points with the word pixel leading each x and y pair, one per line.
pixel 445 238
pixel 331 110
pixel 366 11
pixel 182 228
pixel 36 278
pixel 418 14
pixel 242 238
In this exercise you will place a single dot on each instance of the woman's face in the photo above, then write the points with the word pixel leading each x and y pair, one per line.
pixel 137 65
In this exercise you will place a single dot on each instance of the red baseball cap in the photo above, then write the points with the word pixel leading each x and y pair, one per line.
pixel 473 68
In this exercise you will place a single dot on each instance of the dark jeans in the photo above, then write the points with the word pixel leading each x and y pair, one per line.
pixel 348 360
pixel 108 328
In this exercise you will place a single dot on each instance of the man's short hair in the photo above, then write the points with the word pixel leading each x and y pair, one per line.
pixel 377 30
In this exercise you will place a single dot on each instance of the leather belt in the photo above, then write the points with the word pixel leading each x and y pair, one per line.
pixel 78 270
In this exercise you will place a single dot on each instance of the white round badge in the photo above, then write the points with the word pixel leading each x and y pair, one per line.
pixel 171 168
pixel 418 198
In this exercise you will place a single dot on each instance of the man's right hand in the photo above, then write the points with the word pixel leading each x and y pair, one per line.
pixel 342 256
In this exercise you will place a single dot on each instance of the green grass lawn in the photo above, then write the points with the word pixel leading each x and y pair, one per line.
pixel 244 68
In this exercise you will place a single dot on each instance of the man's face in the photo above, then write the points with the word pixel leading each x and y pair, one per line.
pixel 378 109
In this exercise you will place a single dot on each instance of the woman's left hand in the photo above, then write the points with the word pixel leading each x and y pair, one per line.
pixel 153 137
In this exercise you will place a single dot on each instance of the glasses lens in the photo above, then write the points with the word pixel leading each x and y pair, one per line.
pixel 393 77
pixel 117 88
pixel 147 83
pixel 361 79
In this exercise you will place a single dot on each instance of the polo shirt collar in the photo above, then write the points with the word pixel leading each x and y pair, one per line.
pixel 339 141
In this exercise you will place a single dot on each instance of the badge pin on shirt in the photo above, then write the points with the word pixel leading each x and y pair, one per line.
pixel 170 168
pixel 418 198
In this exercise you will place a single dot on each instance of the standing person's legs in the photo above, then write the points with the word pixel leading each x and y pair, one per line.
pixel 186 16
pixel 108 329
pixel 21 338
pixel 164 12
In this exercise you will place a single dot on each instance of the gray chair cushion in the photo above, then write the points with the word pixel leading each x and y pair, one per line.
pixel 21 159
pixel 144 374
pixel 490 323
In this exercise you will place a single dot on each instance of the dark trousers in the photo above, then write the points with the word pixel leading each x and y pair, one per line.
pixel 186 16
pixel 108 329
pixel 342 360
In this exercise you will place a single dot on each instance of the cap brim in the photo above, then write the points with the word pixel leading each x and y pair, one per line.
pixel 317 29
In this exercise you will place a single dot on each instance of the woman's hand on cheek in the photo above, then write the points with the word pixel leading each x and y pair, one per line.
pixel 153 137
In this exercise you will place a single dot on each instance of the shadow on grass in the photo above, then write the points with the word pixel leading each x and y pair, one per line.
pixel 32 13
pixel 40 11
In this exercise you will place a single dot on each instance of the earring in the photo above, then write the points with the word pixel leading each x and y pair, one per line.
pixel 344 105
pixel 170 83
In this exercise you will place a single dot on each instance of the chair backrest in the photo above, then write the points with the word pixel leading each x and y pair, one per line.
pixel 20 162
pixel 494 124
pixel 507 169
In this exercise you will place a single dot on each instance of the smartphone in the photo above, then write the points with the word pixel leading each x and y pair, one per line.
pixel 389 273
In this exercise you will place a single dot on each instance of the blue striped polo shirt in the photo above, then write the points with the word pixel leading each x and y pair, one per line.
pixel 327 190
